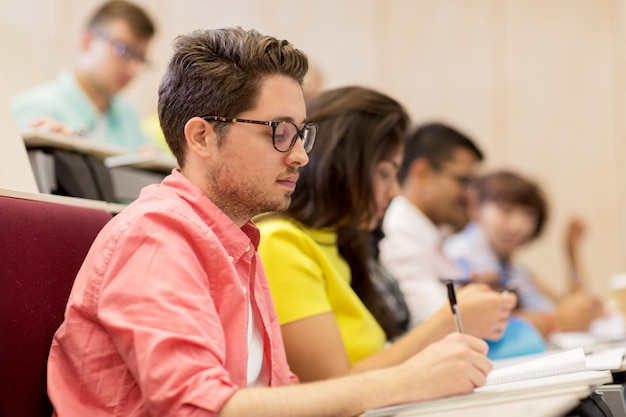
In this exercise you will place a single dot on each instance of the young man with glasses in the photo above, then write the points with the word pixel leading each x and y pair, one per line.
pixel 171 313
pixel 437 171
pixel 86 100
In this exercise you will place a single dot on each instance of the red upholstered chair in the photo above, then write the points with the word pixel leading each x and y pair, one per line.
pixel 42 246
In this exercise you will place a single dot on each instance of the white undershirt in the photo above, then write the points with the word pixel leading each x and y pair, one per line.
pixel 257 375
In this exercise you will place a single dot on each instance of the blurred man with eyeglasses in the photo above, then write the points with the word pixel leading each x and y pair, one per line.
pixel 440 163
pixel 86 101
pixel 437 177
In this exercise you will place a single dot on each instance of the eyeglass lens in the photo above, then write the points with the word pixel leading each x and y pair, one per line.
pixel 123 51
pixel 286 134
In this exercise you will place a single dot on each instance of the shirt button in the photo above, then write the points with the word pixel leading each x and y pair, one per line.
pixel 248 248
pixel 245 290
pixel 231 259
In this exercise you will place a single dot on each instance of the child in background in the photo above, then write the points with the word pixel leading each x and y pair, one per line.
pixel 511 212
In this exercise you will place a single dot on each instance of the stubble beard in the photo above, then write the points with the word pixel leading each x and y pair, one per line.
pixel 242 200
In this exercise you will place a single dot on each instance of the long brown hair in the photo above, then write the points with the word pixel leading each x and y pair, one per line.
pixel 358 127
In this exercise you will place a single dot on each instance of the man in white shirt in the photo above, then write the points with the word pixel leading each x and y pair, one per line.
pixel 439 166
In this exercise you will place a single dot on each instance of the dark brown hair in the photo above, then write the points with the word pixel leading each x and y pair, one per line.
pixel 435 142
pixel 358 127
pixel 137 19
pixel 219 73
pixel 511 188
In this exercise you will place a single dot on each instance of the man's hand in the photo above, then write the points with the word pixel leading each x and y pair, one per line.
pixel 576 311
pixel 485 313
pixel 51 125
pixel 454 365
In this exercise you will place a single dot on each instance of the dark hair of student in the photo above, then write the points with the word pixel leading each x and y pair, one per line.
pixel 219 73
pixel 435 142
pixel 510 188
pixel 137 19
pixel 358 127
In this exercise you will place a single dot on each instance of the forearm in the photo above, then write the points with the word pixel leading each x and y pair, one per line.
pixel 347 396
pixel 422 377
pixel 435 328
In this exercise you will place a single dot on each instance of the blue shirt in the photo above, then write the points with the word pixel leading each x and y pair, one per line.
pixel 471 252
pixel 65 101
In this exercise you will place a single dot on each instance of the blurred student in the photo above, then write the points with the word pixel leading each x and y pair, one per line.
pixel 85 101
pixel 316 253
pixel 438 166
pixel 313 83
pixel 511 213
pixel 170 314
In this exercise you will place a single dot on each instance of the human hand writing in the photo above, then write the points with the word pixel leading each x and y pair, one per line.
pixel 454 365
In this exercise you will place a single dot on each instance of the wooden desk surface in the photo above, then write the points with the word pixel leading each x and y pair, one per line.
pixel 546 406
pixel 72 201
pixel 503 397
pixel 38 138
pixel 112 155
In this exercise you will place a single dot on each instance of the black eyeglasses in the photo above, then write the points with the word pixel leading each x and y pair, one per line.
pixel 121 49
pixel 284 134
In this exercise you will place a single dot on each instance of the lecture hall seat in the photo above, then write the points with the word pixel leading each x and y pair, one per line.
pixel 42 246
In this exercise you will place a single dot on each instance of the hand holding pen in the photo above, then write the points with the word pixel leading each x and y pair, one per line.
pixel 485 312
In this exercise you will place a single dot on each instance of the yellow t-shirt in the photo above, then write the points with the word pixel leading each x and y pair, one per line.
pixel 308 276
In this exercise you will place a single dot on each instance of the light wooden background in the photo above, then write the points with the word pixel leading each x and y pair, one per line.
pixel 540 84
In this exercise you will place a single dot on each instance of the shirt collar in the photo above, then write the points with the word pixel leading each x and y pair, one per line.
pixel 424 229
pixel 235 240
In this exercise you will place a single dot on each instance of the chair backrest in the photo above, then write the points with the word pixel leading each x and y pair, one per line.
pixel 42 246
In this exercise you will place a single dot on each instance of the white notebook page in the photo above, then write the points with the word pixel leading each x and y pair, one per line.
pixel 565 362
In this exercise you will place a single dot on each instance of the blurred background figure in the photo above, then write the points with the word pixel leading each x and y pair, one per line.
pixel 511 212
pixel 85 101
pixel 313 83
pixel 440 162
pixel 439 166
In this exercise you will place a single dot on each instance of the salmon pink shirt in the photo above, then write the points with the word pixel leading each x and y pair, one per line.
pixel 157 321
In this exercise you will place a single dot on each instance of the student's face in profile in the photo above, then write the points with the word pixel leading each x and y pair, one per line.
pixel 450 185
pixel 247 176
pixel 507 226
pixel 385 184
pixel 113 55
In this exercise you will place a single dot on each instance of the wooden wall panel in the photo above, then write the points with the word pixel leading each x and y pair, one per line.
pixel 442 63
pixel 560 124
pixel 540 85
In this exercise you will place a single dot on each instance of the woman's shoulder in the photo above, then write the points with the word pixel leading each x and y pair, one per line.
pixel 285 228
pixel 272 225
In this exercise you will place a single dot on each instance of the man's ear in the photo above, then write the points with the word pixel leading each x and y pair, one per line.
pixel 85 40
pixel 420 168
pixel 201 137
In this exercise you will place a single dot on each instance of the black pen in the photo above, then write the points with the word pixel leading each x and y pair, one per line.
pixel 458 281
pixel 454 306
